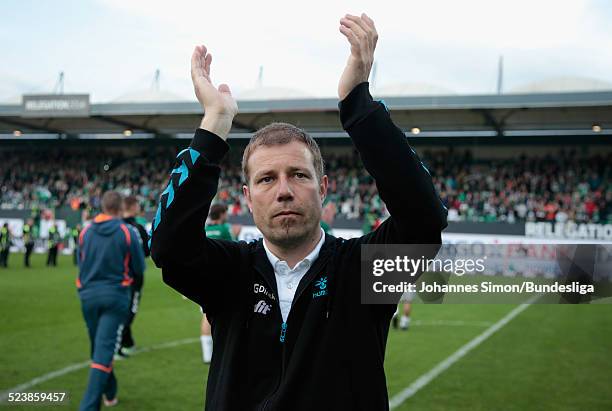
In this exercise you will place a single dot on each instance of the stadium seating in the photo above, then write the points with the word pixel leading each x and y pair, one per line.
pixel 558 187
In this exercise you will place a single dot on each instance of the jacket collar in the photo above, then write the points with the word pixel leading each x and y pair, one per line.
pixel 100 218
pixel 310 258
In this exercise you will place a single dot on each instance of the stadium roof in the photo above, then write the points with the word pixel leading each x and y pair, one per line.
pixel 411 89
pixel 572 114
pixel 564 85
pixel 272 93
pixel 149 96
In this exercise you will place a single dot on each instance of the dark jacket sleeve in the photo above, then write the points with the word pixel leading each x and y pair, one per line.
pixel 201 269
pixel 137 262
pixel 404 184
pixel 145 239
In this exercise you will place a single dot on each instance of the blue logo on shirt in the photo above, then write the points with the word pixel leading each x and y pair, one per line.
pixel 321 284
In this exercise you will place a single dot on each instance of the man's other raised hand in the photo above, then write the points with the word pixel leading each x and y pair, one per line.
pixel 218 104
pixel 362 36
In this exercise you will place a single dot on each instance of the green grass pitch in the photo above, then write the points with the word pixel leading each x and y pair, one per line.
pixel 550 357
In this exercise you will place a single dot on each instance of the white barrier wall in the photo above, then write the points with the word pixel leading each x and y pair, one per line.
pixel 16 229
pixel 250 233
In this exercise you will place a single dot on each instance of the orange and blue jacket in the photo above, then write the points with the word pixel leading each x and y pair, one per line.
pixel 110 256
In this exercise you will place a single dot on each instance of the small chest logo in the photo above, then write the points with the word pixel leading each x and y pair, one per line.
pixel 258 288
pixel 320 288
pixel 262 307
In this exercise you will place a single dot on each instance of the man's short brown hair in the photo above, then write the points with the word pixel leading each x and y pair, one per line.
pixel 216 211
pixel 130 201
pixel 111 202
pixel 276 134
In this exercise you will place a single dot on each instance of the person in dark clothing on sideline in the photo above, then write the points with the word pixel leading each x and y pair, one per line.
pixel 28 241
pixel 131 210
pixel 288 326
pixel 74 233
pixel 110 260
pixel 131 215
pixel 53 242
pixel 5 245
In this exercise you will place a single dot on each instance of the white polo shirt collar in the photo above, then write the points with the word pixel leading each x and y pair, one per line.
pixel 287 279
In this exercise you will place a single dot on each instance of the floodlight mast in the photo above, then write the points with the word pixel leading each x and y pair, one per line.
pixel 59 86
pixel 500 75
pixel 260 77
pixel 156 82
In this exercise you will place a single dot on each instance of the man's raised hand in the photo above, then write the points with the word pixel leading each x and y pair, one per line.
pixel 218 104
pixel 361 34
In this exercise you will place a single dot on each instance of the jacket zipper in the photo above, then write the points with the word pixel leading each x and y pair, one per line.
pixel 283 333
pixel 282 341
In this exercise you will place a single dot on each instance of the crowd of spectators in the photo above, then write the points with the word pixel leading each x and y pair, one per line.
pixel 77 178
pixel 558 188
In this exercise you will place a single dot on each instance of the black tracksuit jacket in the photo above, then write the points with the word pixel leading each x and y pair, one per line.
pixel 329 353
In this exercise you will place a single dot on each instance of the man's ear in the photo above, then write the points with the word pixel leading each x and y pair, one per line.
pixel 323 187
pixel 247 195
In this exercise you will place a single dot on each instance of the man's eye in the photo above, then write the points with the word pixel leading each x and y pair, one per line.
pixel 265 179
pixel 300 175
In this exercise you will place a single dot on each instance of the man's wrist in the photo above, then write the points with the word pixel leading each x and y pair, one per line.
pixel 357 105
pixel 210 145
pixel 219 124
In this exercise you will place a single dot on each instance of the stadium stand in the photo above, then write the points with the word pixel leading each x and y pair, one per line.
pixel 558 187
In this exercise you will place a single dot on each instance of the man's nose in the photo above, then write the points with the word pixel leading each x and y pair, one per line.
pixel 284 192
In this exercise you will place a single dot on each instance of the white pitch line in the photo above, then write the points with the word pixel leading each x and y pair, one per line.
pixel 450 323
pixel 393 403
pixel 78 366
pixel 426 378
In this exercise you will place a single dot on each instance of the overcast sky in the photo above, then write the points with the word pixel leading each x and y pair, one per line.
pixel 111 47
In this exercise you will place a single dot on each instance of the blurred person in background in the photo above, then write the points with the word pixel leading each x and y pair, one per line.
pixel 218 228
pixel 111 259
pixel 53 243
pixel 5 244
pixel 74 234
pixel 28 241
pixel 327 218
pixel 132 211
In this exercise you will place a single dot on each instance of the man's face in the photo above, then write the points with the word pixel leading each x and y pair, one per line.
pixel 223 218
pixel 283 193
pixel 132 211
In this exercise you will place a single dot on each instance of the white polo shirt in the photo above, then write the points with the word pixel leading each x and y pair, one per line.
pixel 287 279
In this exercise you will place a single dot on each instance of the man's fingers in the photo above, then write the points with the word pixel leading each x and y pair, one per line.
pixel 370 22
pixel 354 26
pixel 207 61
pixel 357 44
pixel 348 33
pixel 196 63
pixel 363 31
pixel 367 25
pixel 200 63
pixel 224 88
pixel 361 34
pixel 360 22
